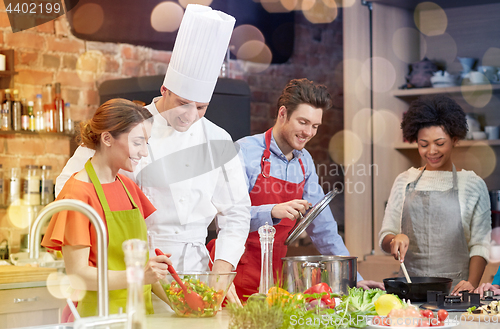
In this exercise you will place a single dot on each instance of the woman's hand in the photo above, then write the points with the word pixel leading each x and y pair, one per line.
pixel 291 209
pixel 156 268
pixel 462 285
pixel 487 286
pixel 399 243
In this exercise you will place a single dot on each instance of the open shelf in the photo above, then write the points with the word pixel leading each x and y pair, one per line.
pixel 403 93
pixel 463 143
pixel 39 133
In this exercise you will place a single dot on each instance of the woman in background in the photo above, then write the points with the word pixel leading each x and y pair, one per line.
pixel 119 132
pixel 438 217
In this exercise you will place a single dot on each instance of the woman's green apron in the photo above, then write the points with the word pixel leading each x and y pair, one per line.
pixel 122 225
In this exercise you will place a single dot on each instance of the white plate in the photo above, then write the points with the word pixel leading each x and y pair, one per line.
pixel 447 324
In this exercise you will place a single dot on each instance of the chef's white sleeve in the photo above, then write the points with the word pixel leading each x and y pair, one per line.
pixel 233 218
pixel 74 164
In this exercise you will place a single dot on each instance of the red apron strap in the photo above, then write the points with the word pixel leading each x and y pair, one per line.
pixel 302 166
pixel 265 164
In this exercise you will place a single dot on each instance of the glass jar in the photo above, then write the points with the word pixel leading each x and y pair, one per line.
pixel 31 185
pixel 46 186
pixel 14 189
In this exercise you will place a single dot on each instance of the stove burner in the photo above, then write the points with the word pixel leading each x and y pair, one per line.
pixel 452 299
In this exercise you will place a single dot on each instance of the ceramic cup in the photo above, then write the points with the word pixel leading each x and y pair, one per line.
pixel 493 132
pixel 489 71
pixel 478 135
pixel 476 78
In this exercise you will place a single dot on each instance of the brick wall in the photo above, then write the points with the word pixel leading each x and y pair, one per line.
pixel 49 53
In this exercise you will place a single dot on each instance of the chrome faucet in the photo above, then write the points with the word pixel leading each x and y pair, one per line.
pixel 102 246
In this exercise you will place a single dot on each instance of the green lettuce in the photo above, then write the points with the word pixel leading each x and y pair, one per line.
pixel 361 301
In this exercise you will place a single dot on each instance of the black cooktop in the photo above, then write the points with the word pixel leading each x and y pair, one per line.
pixel 437 300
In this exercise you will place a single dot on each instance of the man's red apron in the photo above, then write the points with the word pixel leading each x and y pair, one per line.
pixel 267 190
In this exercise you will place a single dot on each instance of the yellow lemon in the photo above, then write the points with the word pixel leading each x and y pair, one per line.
pixel 385 303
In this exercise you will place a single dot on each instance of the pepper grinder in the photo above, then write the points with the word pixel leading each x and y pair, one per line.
pixel 135 257
pixel 266 234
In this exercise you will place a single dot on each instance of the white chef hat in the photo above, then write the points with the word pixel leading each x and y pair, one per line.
pixel 199 50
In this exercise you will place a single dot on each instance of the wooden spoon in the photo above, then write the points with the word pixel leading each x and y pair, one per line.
pixel 194 300
pixel 403 267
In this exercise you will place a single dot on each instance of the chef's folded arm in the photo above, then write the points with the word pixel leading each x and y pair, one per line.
pixel 74 164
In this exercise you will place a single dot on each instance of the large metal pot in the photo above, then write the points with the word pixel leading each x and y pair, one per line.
pixel 303 272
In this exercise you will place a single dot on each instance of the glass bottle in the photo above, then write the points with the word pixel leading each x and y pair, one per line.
pixel 31 185
pixel 135 251
pixel 14 191
pixel 25 119
pixel 31 117
pixel 49 109
pixel 2 187
pixel 46 186
pixel 69 127
pixel 6 111
pixel 266 235
pixel 39 120
pixel 16 111
pixel 59 106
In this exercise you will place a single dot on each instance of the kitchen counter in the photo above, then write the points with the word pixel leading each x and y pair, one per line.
pixel 221 320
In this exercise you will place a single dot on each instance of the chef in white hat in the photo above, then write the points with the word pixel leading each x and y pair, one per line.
pixel 192 174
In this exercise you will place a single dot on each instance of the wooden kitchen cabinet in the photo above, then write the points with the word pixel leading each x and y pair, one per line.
pixel 29 307
pixel 373 104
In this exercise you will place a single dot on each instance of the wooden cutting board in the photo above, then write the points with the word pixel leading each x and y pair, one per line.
pixel 480 318
pixel 15 274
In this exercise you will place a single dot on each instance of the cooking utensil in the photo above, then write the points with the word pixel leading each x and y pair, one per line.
pixel 310 216
pixel 302 272
pixel 403 267
pixel 417 290
pixel 193 300
pixel 73 309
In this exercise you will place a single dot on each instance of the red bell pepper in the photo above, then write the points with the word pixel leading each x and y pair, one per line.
pixel 318 289
pixel 321 288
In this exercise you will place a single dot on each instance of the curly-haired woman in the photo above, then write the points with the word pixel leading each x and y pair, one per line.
pixel 438 217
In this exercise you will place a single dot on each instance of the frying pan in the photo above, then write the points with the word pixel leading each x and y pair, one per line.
pixel 417 290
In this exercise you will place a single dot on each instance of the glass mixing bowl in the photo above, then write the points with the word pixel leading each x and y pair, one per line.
pixel 212 287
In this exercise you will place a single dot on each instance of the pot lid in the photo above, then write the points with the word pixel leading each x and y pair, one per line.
pixel 311 215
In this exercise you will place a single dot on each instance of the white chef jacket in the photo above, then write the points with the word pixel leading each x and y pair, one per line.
pixel 191 178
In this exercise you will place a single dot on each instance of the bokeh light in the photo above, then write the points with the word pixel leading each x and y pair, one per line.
pixel 166 16
pixel 257 56
pixel 245 33
pixel 381 68
pixel 184 3
pixel 408 36
pixel 88 18
pixel 361 125
pixel 20 216
pixel 345 147
pixel 90 65
pixel 59 286
pixel 385 122
pixel 442 48
pixel 480 158
pixel 290 4
pixel 274 6
pixel 491 57
pixel 477 95
pixel 319 12
pixel 430 18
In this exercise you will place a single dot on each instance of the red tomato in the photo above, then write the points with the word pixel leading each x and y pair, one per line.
pixel 424 322
pixel 427 314
pixel 330 303
pixel 377 320
pixel 434 322
pixel 386 322
pixel 442 315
